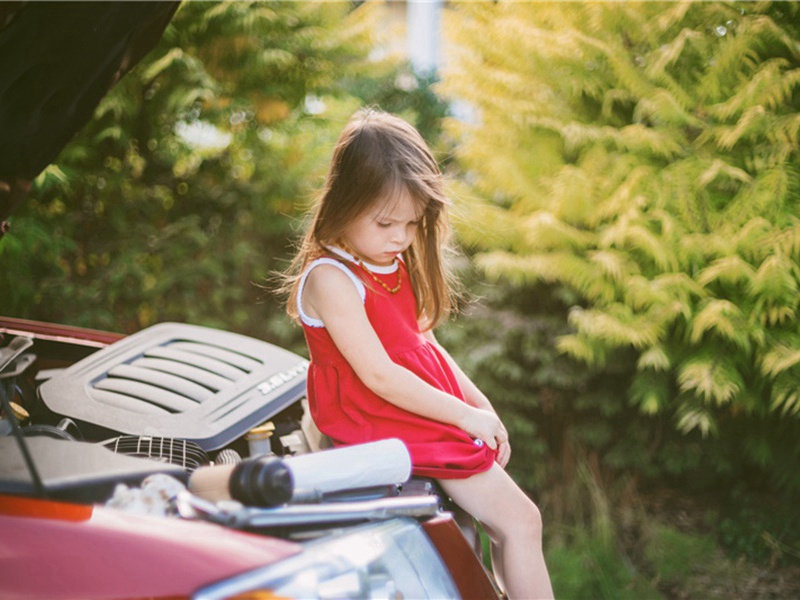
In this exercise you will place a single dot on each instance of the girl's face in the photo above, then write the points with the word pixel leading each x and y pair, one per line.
pixel 384 230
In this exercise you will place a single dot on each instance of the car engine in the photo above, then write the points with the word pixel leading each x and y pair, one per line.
pixel 182 395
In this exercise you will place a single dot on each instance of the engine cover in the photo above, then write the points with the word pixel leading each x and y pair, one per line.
pixel 180 381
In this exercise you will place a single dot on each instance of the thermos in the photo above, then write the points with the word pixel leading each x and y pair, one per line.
pixel 258 481
pixel 267 480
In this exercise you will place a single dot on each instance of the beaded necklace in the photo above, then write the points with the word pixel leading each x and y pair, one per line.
pixel 360 263
pixel 391 290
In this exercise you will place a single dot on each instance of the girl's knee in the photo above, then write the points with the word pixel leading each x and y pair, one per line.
pixel 523 523
pixel 536 520
pixel 530 521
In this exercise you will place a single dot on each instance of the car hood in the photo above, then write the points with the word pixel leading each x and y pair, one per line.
pixel 116 554
pixel 57 60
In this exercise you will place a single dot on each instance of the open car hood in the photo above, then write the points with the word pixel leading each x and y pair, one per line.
pixel 57 60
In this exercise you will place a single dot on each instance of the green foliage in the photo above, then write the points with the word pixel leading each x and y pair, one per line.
pixel 174 197
pixel 590 567
pixel 673 554
pixel 559 413
pixel 764 529
pixel 643 156
pixel 587 561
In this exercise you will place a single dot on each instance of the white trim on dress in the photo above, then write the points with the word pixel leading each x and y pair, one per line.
pixel 380 269
pixel 311 321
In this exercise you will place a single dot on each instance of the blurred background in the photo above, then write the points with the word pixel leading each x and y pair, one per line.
pixel 625 181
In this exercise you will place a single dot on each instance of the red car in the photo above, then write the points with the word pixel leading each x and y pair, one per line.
pixel 99 414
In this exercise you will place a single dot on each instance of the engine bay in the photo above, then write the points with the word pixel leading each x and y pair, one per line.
pixel 179 396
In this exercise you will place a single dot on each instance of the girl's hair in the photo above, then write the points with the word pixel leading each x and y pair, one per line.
pixel 376 157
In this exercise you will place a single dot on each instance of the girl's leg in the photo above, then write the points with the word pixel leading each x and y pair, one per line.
pixel 496 554
pixel 510 517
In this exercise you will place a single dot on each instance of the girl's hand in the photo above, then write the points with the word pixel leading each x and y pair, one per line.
pixel 503 454
pixel 486 426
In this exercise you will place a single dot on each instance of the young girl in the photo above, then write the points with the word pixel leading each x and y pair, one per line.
pixel 369 285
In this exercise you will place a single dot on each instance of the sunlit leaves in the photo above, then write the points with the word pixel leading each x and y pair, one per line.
pixel 648 154
pixel 654 358
pixel 696 419
pixel 711 377
pixel 781 358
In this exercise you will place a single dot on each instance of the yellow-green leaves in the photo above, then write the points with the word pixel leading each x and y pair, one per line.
pixel 646 155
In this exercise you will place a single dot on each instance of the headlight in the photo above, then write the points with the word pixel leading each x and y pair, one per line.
pixel 390 560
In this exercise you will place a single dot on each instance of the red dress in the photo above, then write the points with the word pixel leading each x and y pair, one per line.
pixel 348 412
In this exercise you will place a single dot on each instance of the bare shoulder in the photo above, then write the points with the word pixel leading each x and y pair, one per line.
pixel 329 287
pixel 327 278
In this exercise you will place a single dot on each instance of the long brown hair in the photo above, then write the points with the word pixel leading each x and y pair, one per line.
pixel 376 156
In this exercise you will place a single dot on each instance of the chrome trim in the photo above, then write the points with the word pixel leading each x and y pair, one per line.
pixel 233 514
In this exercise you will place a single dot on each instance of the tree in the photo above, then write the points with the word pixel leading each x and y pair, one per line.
pixel 643 157
pixel 186 188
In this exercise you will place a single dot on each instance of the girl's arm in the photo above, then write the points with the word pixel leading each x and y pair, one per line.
pixel 330 295
pixel 472 394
